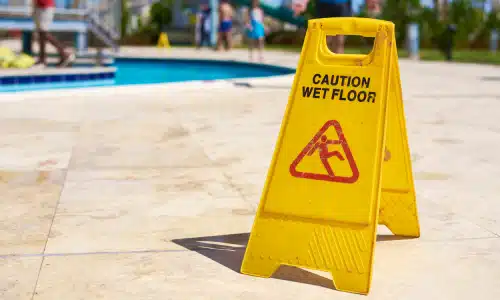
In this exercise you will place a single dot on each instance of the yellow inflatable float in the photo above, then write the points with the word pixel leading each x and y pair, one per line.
pixel 8 59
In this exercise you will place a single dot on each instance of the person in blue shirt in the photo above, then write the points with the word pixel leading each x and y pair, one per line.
pixel 334 9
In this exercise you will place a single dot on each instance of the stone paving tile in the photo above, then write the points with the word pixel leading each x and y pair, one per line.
pixel 18 277
pixel 131 142
pixel 27 206
pixel 138 209
pixel 29 143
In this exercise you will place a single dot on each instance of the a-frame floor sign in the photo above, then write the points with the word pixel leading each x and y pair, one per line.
pixel 163 41
pixel 341 164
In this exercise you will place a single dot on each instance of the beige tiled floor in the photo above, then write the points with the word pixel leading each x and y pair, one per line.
pixel 18 277
pixel 150 192
pixel 27 206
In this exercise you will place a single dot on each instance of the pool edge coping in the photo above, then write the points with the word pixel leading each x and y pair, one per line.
pixel 135 88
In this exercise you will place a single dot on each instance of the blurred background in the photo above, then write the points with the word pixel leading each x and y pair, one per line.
pixel 433 27
pixel 471 23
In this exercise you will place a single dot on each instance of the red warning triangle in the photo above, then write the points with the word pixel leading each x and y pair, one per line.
pixel 319 144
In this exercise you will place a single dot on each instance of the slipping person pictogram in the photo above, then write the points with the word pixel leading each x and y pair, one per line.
pixel 324 154
pixel 319 144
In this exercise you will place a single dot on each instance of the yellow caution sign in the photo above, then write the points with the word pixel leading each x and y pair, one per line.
pixel 163 41
pixel 341 165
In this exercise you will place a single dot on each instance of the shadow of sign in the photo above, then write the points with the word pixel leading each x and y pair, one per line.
pixel 228 250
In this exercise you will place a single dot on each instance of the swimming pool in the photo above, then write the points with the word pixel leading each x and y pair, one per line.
pixel 141 71
pixel 132 71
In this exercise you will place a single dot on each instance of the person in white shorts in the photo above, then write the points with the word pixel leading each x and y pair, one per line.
pixel 43 15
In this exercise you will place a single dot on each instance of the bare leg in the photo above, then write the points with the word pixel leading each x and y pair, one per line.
pixel 250 49
pixel 339 44
pixel 229 42
pixel 260 45
pixel 336 43
pixel 330 42
pixel 64 57
pixel 223 41
pixel 219 41
pixel 42 40
pixel 57 44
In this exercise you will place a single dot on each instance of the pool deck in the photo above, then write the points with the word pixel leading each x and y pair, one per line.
pixel 128 192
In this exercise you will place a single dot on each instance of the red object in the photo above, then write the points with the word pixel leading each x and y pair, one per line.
pixel 15 33
pixel 319 144
pixel 45 3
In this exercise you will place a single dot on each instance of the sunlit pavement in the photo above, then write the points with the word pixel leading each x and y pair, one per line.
pixel 150 192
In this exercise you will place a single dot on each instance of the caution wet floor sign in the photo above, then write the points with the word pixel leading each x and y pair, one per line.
pixel 163 41
pixel 342 163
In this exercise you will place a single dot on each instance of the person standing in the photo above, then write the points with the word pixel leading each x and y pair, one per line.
pixel 225 25
pixel 43 15
pixel 203 25
pixel 256 29
pixel 334 9
pixel 337 9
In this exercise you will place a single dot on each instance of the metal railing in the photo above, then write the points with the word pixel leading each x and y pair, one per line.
pixel 104 15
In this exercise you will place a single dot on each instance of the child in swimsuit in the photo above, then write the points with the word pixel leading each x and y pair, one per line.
pixel 226 25
pixel 256 29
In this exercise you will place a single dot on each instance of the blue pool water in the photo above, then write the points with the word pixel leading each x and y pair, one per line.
pixel 145 71
pixel 131 71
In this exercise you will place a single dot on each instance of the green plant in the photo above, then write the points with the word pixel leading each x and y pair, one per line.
pixel 401 13
pixel 161 14
pixel 125 18
pixel 139 23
